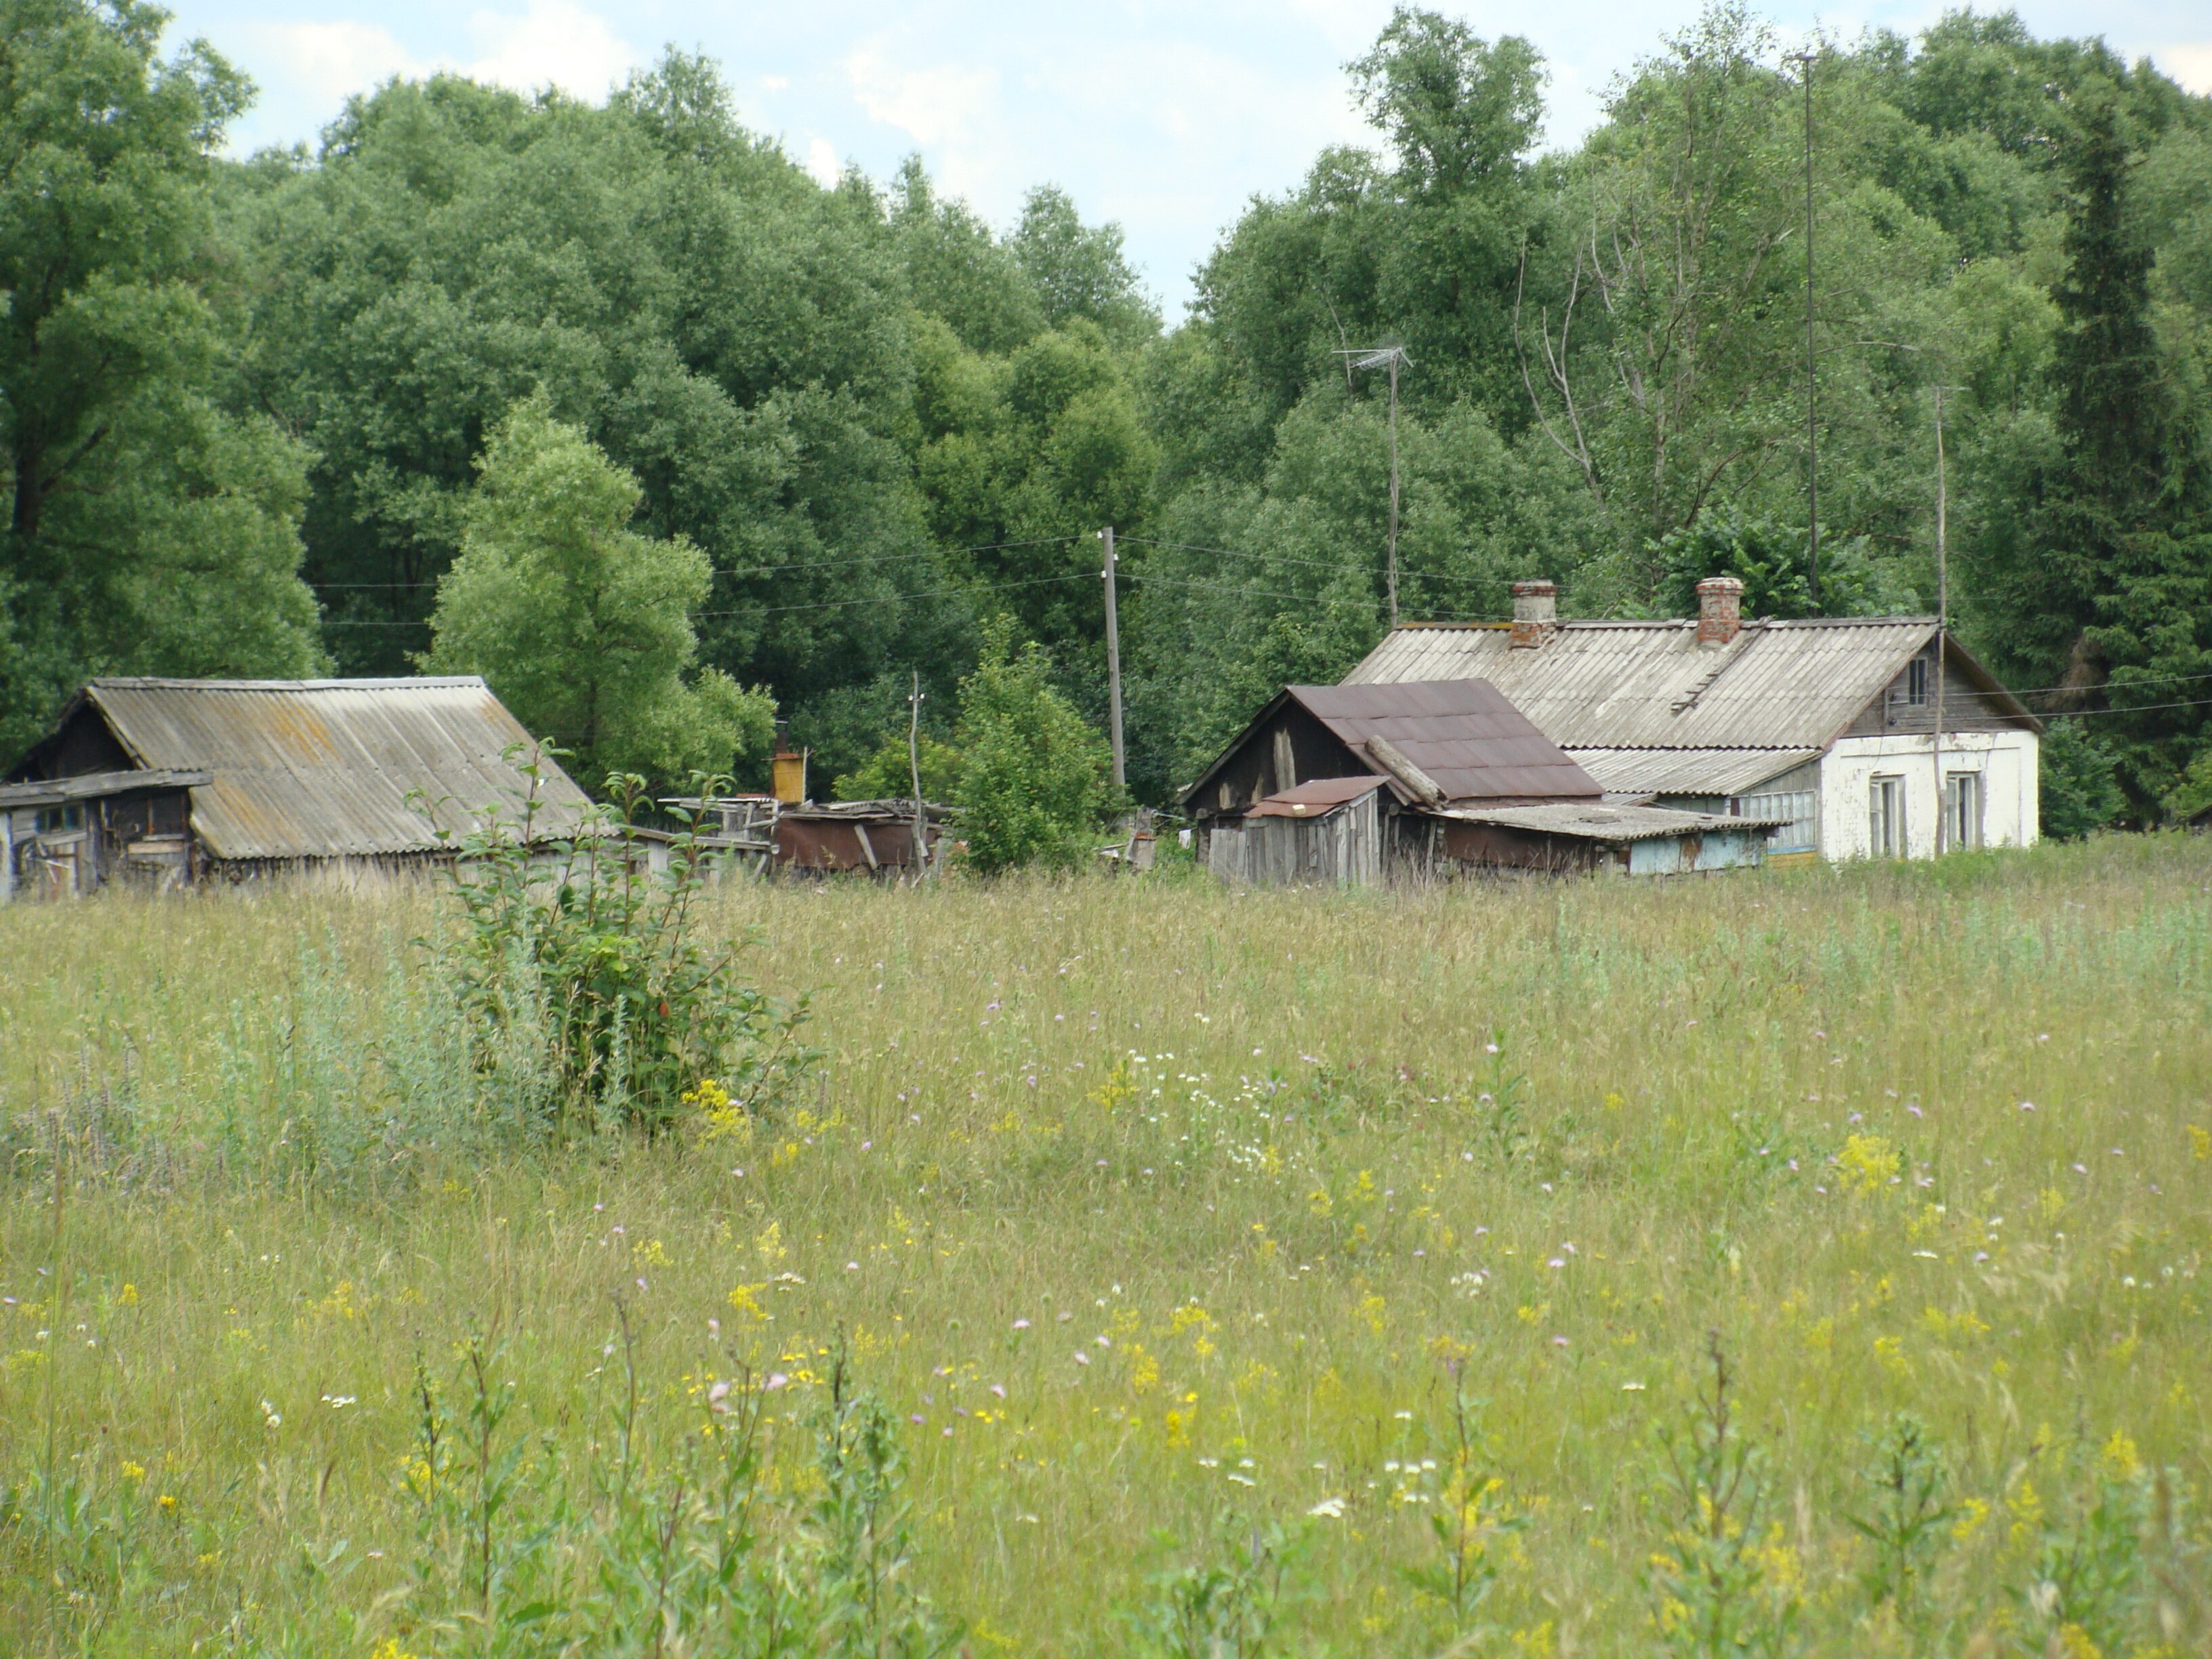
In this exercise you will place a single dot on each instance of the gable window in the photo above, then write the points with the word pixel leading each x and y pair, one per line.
pixel 1962 809
pixel 1886 817
pixel 1916 682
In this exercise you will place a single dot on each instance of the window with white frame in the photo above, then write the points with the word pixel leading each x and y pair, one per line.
pixel 1886 816
pixel 1962 809
pixel 1801 833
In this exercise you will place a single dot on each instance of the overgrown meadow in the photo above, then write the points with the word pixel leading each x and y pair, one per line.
pixel 1794 1261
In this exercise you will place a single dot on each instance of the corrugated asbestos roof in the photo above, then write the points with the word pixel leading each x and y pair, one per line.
pixel 1650 685
pixel 1687 771
pixel 1593 822
pixel 1462 732
pixel 323 768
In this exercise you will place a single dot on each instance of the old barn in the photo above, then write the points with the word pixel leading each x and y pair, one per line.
pixel 171 782
pixel 1366 784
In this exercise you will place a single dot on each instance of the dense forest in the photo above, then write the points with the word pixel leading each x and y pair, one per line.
pixel 618 406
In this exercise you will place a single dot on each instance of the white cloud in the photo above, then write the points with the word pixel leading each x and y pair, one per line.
pixel 2191 63
pixel 549 43
pixel 937 105
pixel 822 161
pixel 331 62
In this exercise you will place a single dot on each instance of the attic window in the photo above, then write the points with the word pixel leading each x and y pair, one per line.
pixel 1916 682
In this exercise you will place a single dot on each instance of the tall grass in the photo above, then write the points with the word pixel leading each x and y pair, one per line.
pixel 1801 1261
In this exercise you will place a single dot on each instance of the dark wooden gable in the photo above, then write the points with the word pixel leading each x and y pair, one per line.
pixel 1286 745
pixel 1972 700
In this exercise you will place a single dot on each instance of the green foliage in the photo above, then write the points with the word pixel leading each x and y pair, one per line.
pixel 2086 1582
pixel 152 524
pixel 2080 789
pixel 575 936
pixel 1769 560
pixel 888 774
pixel 1228 1604
pixel 1032 783
pixel 1905 1519
pixel 1723 1583
pixel 580 624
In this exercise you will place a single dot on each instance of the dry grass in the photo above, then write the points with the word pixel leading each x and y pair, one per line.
pixel 1235 1152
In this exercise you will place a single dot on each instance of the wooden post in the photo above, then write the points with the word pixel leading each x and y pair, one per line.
pixel 1114 662
pixel 1943 624
pixel 1811 384
pixel 913 761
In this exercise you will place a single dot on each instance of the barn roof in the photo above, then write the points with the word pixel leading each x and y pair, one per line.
pixel 1778 685
pixel 325 768
pixel 1461 733
pixel 1590 820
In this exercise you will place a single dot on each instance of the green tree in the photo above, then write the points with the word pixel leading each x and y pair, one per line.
pixel 149 528
pixel 1032 774
pixel 1079 270
pixel 579 623
pixel 888 774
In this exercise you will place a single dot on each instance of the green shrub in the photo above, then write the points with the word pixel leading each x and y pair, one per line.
pixel 1032 787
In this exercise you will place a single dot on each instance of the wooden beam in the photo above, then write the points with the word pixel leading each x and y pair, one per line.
pixel 1392 759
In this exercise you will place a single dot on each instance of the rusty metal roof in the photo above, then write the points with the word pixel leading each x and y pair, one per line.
pixel 1593 821
pixel 1462 732
pixel 323 769
pixel 1316 798
pixel 1687 771
pixel 1650 685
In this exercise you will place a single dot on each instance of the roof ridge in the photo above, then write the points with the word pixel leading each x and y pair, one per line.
pixel 155 682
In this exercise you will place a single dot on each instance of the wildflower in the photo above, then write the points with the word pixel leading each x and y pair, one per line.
pixel 999 1389
pixel 773 1381
pixel 167 1501
pixel 133 1471
pixel 1021 1324
pixel 127 1297
pixel 1329 1509
pixel 1081 1357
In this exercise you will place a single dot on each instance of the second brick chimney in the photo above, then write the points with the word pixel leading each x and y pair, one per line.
pixel 1720 609
pixel 1535 612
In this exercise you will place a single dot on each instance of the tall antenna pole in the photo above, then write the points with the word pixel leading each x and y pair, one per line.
pixel 1395 357
pixel 1943 620
pixel 1378 357
pixel 1113 660
pixel 1812 389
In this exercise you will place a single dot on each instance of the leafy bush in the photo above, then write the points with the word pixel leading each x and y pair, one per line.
pixel 1032 787
pixel 1769 560
pixel 888 774
pixel 2081 787
pixel 576 935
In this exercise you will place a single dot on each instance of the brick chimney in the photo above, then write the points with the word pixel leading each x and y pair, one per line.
pixel 1535 612
pixel 1720 609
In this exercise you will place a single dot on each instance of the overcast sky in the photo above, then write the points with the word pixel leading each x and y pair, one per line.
pixel 1166 117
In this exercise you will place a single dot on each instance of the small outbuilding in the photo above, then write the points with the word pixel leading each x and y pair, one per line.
pixel 1366 784
pixel 172 782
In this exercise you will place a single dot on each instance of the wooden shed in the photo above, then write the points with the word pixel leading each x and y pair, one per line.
pixel 175 781
pixel 1361 785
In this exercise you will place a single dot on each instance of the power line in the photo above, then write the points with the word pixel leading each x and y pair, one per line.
pixel 1263 594
pixel 1317 564
pixel 779 569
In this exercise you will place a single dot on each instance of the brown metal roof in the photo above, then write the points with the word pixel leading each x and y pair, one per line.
pixel 1650 685
pixel 1316 797
pixel 323 769
pixel 1462 732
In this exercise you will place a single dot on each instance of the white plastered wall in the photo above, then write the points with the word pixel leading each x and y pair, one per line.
pixel 2008 761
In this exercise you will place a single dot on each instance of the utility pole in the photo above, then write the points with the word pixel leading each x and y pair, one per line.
pixel 1113 661
pixel 1942 622
pixel 914 760
pixel 1812 389
pixel 1375 358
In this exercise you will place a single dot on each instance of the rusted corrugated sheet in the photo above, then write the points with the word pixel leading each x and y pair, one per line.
pixel 1650 685
pixel 1311 799
pixel 817 841
pixel 323 769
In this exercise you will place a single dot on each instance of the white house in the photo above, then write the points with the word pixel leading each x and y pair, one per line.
pixel 1830 722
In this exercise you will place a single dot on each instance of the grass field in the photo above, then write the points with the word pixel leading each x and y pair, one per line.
pixel 1295 1272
